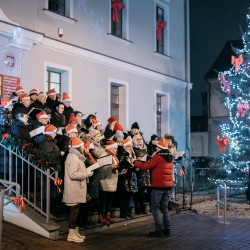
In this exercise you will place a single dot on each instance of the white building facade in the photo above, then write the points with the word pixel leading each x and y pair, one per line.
pixel 128 67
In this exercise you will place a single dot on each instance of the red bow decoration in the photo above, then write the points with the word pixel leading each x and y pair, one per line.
pixel 58 183
pixel 222 142
pixel 159 27
pixel 25 145
pixel 19 201
pixel 5 136
pixel 225 84
pixel 242 109
pixel 237 61
pixel 116 6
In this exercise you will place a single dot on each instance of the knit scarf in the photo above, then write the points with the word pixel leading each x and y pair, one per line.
pixel 115 160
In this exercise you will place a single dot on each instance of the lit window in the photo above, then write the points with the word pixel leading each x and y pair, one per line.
pixel 115 101
pixel 54 81
pixel 158 115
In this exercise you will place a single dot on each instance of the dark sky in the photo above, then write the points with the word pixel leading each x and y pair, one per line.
pixel 212 23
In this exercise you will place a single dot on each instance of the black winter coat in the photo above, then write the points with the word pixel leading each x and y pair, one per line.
pixel 142 176
pixel 126 182
pixel 20 130
pixel 19 108
pixel 67 112
pixel 58 120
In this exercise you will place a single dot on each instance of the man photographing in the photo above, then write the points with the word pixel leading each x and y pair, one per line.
pixel 161 166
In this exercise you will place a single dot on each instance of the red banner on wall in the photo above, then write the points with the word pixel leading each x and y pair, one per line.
pixel 8 85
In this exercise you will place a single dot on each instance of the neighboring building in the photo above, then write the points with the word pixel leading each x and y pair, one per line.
pixel 110 62
pixel 217 112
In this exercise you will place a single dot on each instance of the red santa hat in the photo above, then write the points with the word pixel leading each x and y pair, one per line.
pixel 24 96
pixel 162 143
pixel 32 92
pixel 66 97
pixel 72 118
pixel 127 141
pixel 70 129
pixel 112 119
pixel 41 94
pixel 42 115
pixel 76 142
pixel 110 144
pixel 118 126
pixel 52 92
pixel 49 129
pixel 19 89
pixel 5 102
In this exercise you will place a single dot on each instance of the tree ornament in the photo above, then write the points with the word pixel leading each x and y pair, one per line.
pixel 159 26
pixel 116 7
pixel 222 142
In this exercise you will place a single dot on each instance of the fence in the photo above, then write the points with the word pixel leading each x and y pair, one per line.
pixel 35 181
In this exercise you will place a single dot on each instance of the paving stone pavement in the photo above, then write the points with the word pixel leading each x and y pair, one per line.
pixel 189 231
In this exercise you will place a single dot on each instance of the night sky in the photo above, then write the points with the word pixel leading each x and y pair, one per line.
pixel 212 24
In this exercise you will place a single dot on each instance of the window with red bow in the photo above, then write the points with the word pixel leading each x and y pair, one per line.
pixel 160 28
pixel 118 18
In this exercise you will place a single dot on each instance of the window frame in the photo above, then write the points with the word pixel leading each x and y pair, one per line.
pixel 124 18
pixel 68 17
pixel 166 45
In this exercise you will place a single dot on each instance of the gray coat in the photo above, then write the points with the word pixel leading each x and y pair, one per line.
pixel 75 179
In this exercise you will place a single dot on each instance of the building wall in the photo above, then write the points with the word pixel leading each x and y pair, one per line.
pixel 93 59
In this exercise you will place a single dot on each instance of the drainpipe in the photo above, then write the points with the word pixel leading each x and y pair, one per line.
pixel 187 76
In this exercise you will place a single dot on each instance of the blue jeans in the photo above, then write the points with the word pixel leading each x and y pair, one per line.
pixel 159 203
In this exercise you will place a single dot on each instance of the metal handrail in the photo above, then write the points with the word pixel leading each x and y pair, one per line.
pixel 219 202
pixel 34 179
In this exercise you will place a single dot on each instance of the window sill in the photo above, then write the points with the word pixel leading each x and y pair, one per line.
pixel 64 18
pixel 119 39
pixel 163 55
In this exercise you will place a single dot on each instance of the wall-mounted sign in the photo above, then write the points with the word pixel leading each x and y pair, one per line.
pixel 8 85
pixel 9 60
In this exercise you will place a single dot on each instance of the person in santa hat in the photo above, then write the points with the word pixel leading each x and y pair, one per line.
pixel 23 106
pixel 51 100
pixel 40 103
pixel 75 186
pixel 97 125
pixel 88 122
pixel 6 118
pixel 33 95
pixel 126 179
pixel 108 177
pixel 142 177
pixel 68 110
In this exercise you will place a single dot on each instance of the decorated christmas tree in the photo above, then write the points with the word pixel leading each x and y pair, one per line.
pixel 236 134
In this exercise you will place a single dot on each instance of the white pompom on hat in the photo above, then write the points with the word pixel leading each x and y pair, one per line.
pixel 76 142
pixel 71 129
pixel 49 129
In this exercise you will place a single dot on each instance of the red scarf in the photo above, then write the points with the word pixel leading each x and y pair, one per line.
pixel 115 160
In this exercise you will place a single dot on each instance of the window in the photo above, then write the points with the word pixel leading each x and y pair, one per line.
pixel 119 9
pixel 158 114
pixel 160 30
pixel 161 27
pixel 54 81
pixel 119 100
pixel 114 101
pixel 61 9
pixel 57 6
